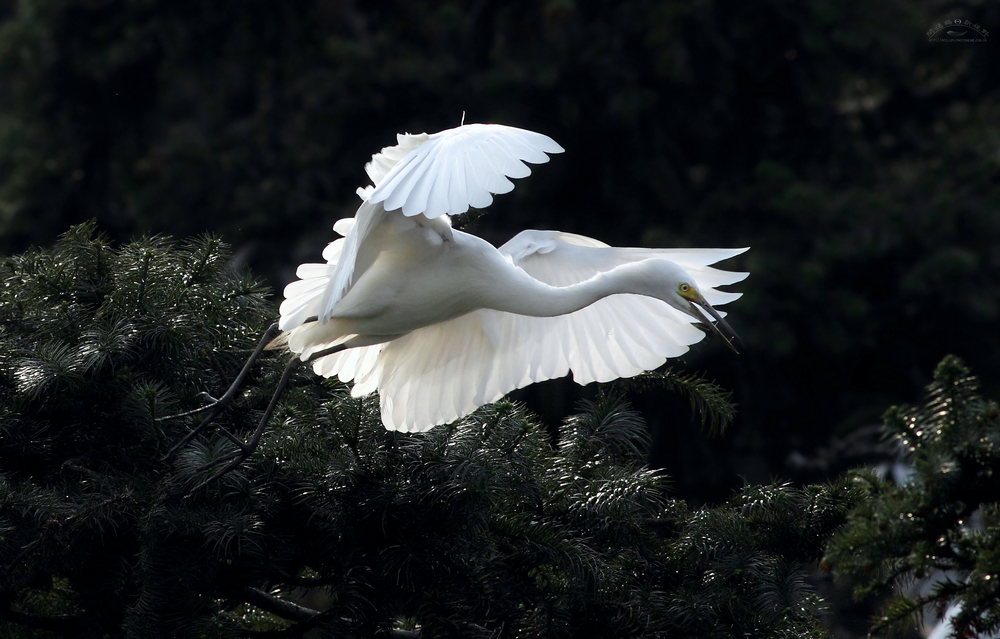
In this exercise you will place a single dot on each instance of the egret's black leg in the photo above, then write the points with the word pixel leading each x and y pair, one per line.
pixel 251 445
pixel 217 405
pixel 246 449
pixel 266 339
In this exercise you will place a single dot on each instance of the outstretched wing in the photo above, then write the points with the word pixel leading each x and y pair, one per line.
pixel 435 175
pixel 439 373
pixel 452 170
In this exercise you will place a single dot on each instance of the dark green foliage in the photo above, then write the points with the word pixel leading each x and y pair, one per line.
pixel 95 344
pixel 710 402
pixel 476 529
pixel 944 521
pixel 750 554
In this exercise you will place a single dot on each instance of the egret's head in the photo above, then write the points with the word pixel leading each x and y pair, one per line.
pixel 684 295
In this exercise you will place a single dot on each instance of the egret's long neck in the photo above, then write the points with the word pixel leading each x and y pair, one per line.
pixel 525 295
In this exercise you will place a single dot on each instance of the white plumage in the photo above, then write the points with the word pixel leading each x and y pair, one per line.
pixel 440 322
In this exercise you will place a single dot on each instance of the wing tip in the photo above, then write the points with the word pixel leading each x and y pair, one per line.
pixel 556 147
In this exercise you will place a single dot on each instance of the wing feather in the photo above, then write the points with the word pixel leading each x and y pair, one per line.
pixel 479 197
pixel 511 164
pixel 538 141
pixel 384 161
pixel 592 339
pixel 366 382
pixel 303 298
pixel 423 179
pixel 458 193
pixel 558 366
pixel 526 151
pixel 492 152
pixel 439 196
pixel 490 177
pixel 405 176
pixel 369 215
pixel 333 251
pixel 629 349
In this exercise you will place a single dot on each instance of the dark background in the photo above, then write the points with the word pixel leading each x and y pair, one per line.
pixel 859 160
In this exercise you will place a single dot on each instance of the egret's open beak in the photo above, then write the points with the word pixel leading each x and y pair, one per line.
pixel 699 308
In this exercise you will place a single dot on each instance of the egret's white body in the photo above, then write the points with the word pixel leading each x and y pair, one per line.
pixel 441 322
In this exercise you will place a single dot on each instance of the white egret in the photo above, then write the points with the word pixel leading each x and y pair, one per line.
pixel 440 322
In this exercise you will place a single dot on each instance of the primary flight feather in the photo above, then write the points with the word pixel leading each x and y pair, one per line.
pixel 440 322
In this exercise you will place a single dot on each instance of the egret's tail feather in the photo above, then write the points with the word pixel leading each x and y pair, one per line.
pixel 279 342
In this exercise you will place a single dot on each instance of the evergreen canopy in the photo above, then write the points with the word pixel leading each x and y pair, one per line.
pixel 480 528
pixel 936 537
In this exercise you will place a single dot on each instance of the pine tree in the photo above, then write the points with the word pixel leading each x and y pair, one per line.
pixel 335 526
pixel 943 524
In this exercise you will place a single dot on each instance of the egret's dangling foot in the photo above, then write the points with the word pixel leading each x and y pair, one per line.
pixel 245 449
pixel 215 406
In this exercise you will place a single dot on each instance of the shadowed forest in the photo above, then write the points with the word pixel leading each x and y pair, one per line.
pixel 857 158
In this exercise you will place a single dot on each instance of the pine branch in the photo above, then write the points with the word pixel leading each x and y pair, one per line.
pixel 53 624
pixel 709 401
pixel 903 533
pixel 280 607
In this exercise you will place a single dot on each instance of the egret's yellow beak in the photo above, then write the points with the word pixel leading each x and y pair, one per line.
pixel 699 308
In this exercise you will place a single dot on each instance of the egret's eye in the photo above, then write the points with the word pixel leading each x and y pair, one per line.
pixel 685 288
